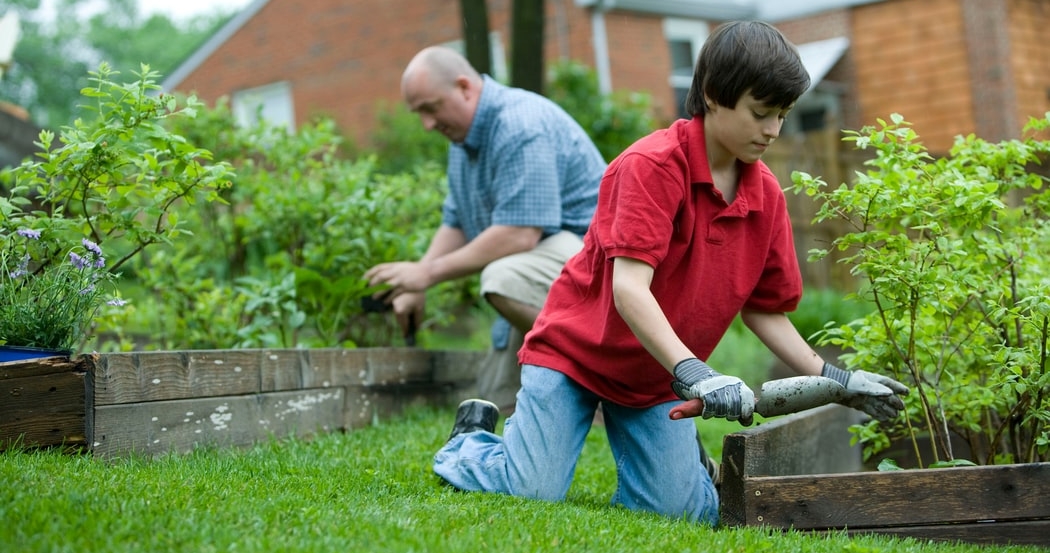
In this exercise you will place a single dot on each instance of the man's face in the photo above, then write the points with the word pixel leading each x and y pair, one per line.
pixel 448 109
pixel 746 130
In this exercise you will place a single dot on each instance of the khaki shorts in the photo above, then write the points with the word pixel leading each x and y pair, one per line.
pixel 527 277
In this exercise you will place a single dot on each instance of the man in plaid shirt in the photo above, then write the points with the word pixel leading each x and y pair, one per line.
pixel 523 184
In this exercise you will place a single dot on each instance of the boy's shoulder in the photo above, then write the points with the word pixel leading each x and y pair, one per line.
pixel 662 143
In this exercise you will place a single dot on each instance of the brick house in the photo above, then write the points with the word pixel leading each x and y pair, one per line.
pixel 949 66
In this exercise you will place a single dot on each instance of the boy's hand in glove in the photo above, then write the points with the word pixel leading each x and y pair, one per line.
pixel 722 396
pixel 873 394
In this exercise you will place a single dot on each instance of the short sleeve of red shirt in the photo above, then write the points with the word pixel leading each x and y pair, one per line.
pixel 657 204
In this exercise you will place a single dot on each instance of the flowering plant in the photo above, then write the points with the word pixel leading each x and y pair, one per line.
pixel 48 295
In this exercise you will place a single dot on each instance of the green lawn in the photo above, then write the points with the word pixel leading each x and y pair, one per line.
pixel 368 490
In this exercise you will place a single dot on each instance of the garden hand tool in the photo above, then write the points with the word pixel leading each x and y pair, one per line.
pixel 378 304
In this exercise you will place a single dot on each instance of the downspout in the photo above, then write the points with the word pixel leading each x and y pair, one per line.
pixel 601 47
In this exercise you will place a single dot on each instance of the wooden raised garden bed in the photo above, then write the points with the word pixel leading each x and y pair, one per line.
pixel 158 402
pixel 793 472
pixel 799 472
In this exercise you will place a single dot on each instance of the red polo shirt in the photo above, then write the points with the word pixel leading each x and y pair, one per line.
pixel 658 204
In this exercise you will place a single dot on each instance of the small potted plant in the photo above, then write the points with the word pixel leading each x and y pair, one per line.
pixel 49 293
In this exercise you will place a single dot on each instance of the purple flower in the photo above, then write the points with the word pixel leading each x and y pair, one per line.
pixel 22 269
pixel 92 247
pixel 116 302
pixel 29 233
pixel 78 261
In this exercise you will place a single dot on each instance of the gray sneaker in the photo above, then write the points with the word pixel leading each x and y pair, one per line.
pixel 474 415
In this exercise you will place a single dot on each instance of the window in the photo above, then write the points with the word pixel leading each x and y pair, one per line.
pixel 271 103
pixel 684 38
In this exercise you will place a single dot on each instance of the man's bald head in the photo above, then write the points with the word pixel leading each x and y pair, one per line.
pixel 442 87
pixel 442 65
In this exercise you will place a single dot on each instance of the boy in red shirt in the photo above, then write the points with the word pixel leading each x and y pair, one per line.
pixel 691 229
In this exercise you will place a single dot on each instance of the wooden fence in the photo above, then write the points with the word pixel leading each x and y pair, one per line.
pixel 820 154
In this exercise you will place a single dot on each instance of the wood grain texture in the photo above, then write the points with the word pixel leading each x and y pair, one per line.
pixel 787 474
pixel 44 402
pixel 179 426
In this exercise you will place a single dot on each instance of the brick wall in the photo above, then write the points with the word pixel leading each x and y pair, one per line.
pixel 1029 21
pixel 911 59
pixel 915 57
pixel 640 60
pixel 344 57
pixel 992 85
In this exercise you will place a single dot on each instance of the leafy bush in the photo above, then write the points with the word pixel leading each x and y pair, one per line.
pixel 613 121
pixel 827 306
pixel 402 145
pixel 962 299
pixel 118 178
pixel 280 263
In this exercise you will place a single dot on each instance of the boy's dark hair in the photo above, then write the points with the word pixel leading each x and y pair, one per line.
pixel 743 56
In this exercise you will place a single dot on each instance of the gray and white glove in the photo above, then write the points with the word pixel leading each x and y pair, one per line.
pixel 723 396
pixel 873 394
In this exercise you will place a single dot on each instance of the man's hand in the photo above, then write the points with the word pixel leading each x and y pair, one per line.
pixel 402 277
pixel 873 394
pixel 722 396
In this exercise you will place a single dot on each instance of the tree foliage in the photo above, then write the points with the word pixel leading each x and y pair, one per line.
pixel 56 50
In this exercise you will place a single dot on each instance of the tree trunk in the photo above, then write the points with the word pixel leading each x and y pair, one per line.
pixel 527 45
pixel 476 34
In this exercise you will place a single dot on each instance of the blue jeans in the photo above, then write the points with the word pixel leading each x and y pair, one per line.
pixel 657 460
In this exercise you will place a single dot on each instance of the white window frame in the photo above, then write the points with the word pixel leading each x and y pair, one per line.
pixel 271 102
pixel 693 31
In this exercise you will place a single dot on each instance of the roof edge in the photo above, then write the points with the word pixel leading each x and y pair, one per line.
pixel 210 46
pixel 697 9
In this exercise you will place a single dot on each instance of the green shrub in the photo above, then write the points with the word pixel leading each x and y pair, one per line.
pixel 280 264
pixel 117 177
pixel 961 298
pixel 826 306
pixel 400 143
pixel 613 121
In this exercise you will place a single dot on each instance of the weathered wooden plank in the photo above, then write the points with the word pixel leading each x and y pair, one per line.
pixel 815 441
pixel 398 366
pixel 457 366
pixel 368 405
pixel 319 368
pixel 36 367
pixel 1029 532
pixel 155 428
pixel 157 376
pixel 165 375
pixel 900 498
pixel 46 404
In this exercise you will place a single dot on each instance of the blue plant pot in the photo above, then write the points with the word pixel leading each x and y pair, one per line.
pixel 23 353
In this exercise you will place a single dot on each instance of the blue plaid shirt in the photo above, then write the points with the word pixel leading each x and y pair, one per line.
pixel 525 162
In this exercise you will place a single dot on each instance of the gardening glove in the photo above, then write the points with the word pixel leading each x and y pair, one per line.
pixel 723 396
pixel 873 394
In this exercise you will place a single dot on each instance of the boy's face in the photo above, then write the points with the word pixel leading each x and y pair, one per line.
pixel 746 131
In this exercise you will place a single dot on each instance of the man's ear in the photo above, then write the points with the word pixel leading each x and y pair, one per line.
pixel 465 87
